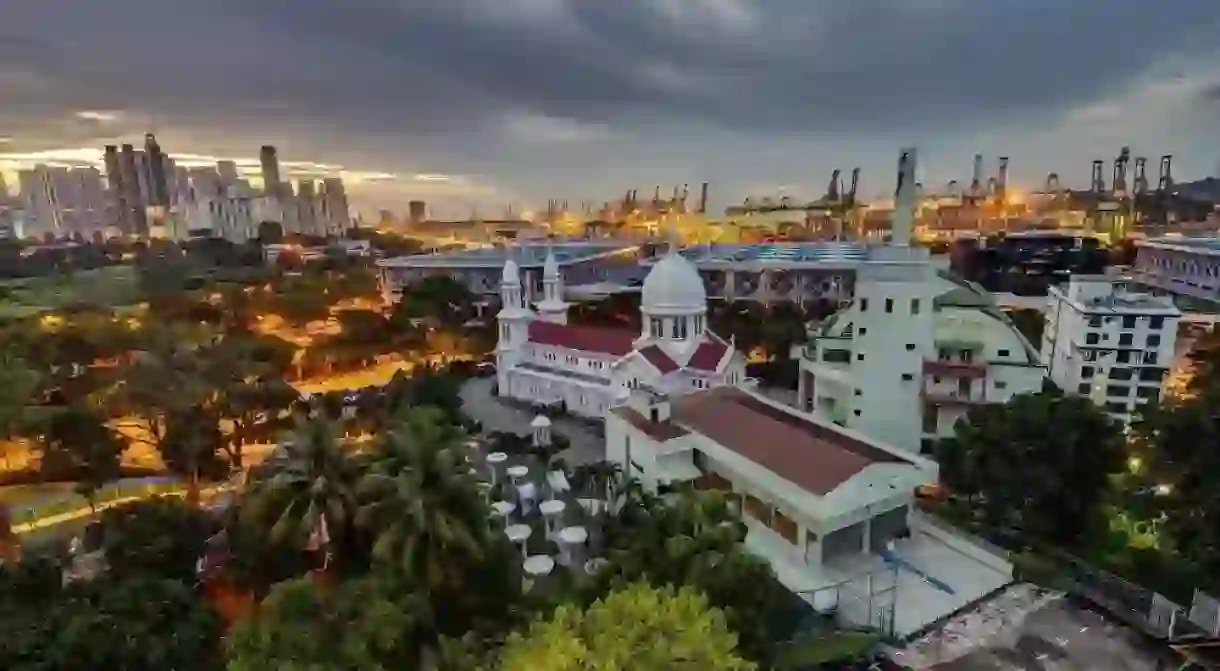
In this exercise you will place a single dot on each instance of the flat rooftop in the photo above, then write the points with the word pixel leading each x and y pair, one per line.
pixel 527 255
pixel 778 252
pixel 1201 243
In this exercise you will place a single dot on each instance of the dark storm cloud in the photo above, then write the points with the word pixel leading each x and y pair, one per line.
pixel 422 66
pixel 800 64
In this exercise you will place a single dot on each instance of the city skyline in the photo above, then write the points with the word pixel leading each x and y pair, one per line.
pixel 476 104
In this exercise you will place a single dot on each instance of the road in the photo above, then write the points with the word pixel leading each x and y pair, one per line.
pixel 497 415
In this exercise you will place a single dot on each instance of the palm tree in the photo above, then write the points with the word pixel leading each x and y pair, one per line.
pixel 420 502
pixel 306 491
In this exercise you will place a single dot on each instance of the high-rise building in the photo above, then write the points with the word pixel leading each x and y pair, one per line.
pixel 158 194
pixel 1107 343
pixel 205 183
pixel 271 170
pixel 119 216
pixel 334 199
pixel 307 209
pixel 227 171
pixel 417 211
pixel 62 201
pixel 133 198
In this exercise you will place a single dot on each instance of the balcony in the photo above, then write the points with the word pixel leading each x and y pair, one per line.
pixel 953 397
pixel 960 369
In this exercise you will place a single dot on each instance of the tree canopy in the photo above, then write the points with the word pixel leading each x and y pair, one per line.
pixel 1041 462
pixel 638 627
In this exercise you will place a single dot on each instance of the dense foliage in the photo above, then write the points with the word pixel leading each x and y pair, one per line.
pixel 637 627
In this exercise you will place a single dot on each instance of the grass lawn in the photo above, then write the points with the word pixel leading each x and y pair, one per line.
pixel 105 287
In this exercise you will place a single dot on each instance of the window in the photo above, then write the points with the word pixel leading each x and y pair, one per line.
pixel 860 356
pixel 863 330
pixel 1151 375
pixel 1120 374
pixel 836 356
pixel 907 377
pixel 1154 340
pixel 914 306
pixel 967 356
pixel 1120 408
pixel 1155 323
pixel 1123 357
pixel 1091 338
pixel 679 329
pixel 910 347
pixel 573 361
pixel 1095 321
pixel 1148 393
pixel 859 393
pixel 1128 322
pixel 654 327
pixel 1124 339
pixel 1118 391
pixel 943 354
pixel 1002 353
pixel 856 412
pixel 1084 388
pixel 1000 384
pixel 1150 358
pixel 889 305
pixel 863 305
pixel 927 445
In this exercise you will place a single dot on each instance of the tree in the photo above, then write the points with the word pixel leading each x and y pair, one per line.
pixel 1175 461
pixel 638 627
pixel 372 623
pixel 421 504
pixel 1041 462
pixel 305 493
pixel 78 443
pixel 107 624
pixel 696 541
pixel 270 232
pixel 1030 323
pixel 18 384
pixel 161 537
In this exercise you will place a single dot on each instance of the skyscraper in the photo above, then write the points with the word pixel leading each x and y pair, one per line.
pixel 157 193
pixel 271 171
pixel 307 210
pixel 334 197
pixel 118 197
pixel 134 203
pixel 227 171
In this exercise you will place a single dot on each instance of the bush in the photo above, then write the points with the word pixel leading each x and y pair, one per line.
pixel 1037 569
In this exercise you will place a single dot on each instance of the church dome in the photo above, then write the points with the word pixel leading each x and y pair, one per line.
pixel 673 286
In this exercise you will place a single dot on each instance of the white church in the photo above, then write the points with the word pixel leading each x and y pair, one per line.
pixel 543 359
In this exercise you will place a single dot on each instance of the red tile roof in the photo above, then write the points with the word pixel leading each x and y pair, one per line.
pixel 657 357
pixel 583 338
pixel 658 431
pixel 815 457
pixel 708 355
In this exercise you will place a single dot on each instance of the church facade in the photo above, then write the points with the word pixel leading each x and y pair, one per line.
pixel 543 359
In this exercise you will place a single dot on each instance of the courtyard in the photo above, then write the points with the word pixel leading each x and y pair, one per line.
pixel 496 414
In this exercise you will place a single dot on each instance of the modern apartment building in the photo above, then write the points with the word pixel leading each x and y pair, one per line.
pixel 1108 343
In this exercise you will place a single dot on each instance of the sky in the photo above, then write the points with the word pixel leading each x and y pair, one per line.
pixel 474 104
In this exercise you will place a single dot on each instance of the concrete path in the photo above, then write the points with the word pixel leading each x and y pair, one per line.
pixel 497 415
